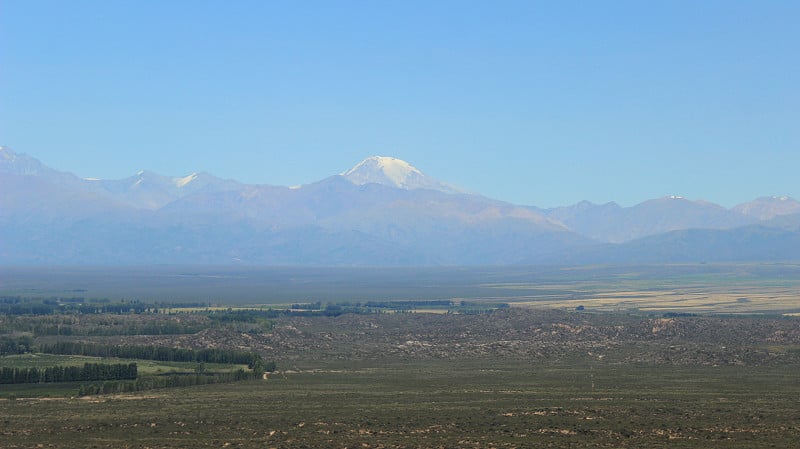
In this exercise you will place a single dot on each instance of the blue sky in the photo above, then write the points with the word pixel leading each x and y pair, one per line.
pixel 541 103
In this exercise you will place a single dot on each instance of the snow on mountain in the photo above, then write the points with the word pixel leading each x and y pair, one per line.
pixel 393 172
pixel 182 182
pixel 164 182
pixel 152 191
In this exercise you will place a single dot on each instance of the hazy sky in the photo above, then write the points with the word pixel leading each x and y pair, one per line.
pixel 542 103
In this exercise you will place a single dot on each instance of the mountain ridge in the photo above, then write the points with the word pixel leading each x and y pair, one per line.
pixel 382 211
pixel 400 172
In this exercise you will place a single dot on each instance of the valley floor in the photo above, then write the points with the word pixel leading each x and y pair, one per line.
pixel 514 378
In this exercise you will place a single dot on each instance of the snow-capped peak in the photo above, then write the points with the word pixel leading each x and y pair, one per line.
pixel 397 171
pixel 393 172
pixel 181 182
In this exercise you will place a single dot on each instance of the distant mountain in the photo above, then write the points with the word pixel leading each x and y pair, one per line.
pixel 601 222
pixel 404 218
pixel 436 227
pixel 12 163
pixel 33 199
pixel 612 223
pixel 148 190
pixel 383 211
pixel 394 172
pixel 145 190
pixel 768 207
pixel 789 222
pixel 753 243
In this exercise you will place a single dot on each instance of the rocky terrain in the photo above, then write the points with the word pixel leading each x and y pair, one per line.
pixel 516 333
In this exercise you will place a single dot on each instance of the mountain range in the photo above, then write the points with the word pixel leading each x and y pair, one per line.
pixel 383 211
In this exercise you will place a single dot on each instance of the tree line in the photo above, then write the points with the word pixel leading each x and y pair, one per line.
pixel 168 381
pixel 87 372
pixel 151 352
pixel 17 305
pixel 99 325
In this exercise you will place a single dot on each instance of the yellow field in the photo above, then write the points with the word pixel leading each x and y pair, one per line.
pixel 738 299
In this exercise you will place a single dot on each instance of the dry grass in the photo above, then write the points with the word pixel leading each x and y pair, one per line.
pixel 735 300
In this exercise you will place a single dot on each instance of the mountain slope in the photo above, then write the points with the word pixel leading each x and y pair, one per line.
pixel 612 223
pixel 753 243
pixel 438 228
pixel 769 207
pixel 12 163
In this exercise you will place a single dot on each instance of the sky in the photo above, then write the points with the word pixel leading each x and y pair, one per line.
pixel 536 103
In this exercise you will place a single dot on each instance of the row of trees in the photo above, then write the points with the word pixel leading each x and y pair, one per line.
pixel 87 372
pixel 35 306
pixel 156 328
pixel 47 326
pixel 150 352
pixel 17 305
pixel 158 382
pixel 245 320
